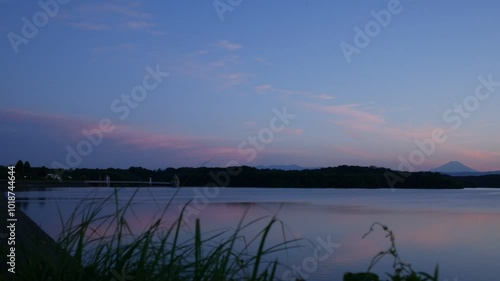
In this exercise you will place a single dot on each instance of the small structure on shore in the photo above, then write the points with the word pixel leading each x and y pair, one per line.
pixel 175 181
pixel 53 177
pixel 108 182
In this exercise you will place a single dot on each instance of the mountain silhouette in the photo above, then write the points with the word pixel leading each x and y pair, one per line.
pixel 453 167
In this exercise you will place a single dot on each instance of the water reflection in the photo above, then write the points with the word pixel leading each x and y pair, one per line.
pixel 457 229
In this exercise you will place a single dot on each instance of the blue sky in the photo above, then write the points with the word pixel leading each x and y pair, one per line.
pixel 233 64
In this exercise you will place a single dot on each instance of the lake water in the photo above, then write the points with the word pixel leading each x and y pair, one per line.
pixel 457 229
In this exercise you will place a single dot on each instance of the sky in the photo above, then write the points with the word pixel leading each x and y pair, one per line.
pixel 404 84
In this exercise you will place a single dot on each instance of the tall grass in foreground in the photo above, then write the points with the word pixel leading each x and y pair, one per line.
pixel 402 271
pixel 104 247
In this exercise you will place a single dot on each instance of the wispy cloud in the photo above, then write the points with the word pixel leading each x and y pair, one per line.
pixel 360 122
pixel 351 112
pixel 263 88
pixel 149 140
pixel 130 10
pixel 216 47
pixel 232 79
pixel 210 64
pixel 67 130
pixel 262 60
pixel 114 48
pixel 73 126
pixel 323 97
pixel 225 44
pixel 294 132
pixel 220 73
pixel 225 61
pixel 137 24
pixel 85 25
pixel 103 16
pixel 138 143
pixel 357 119
pixel 267 88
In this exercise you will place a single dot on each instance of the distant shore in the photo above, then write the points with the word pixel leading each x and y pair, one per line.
pixel 244 176
pixel 41 185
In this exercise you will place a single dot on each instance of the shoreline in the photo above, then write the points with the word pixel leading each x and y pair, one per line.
pixel 30 239
pixel 41 185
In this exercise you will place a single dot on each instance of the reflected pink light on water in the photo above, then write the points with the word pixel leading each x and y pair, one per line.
pixel 456 229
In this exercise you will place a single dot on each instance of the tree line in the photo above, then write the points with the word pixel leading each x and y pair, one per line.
pixel 332 177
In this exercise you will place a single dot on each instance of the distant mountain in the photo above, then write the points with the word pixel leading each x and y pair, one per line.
pixel 292 167
pixel 453 167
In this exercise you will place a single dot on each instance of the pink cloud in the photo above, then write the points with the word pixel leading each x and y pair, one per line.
pixel 480 154
pixel 293 131
pixel 477 159
pixel 355 121
pixel 444 232
pixel 67 130
pixel 352 111
pixel 351 116
pixel 144 140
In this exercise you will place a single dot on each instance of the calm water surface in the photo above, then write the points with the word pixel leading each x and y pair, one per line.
pixel 457 229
